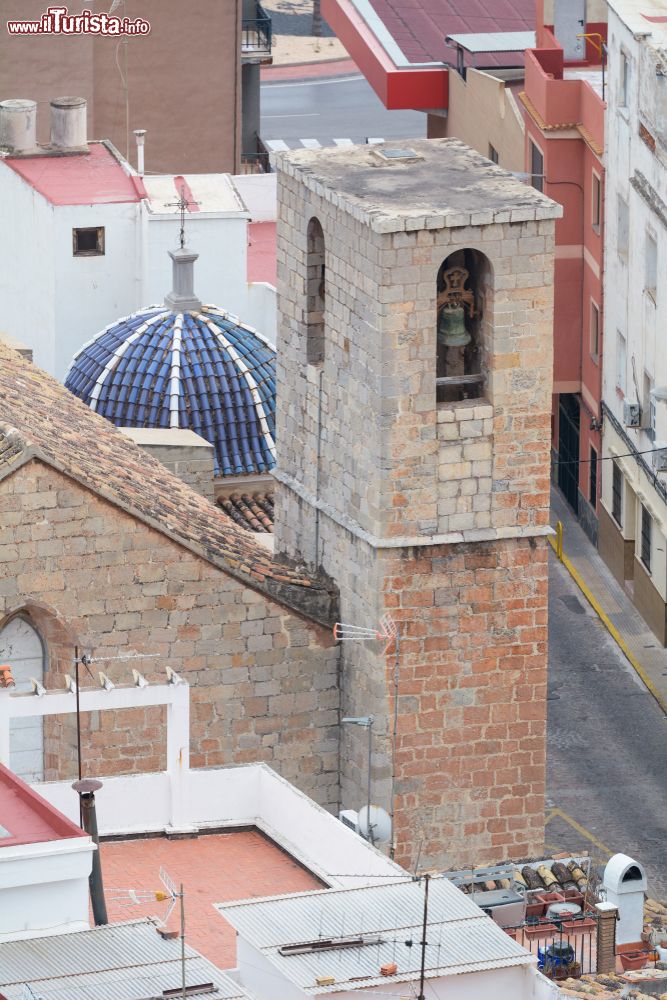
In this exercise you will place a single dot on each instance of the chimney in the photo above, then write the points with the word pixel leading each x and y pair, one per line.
pixel 86 789
pixel 18 125
pixel 140 136
pixel 69 123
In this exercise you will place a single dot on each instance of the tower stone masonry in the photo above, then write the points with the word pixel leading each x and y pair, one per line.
pixel 413 395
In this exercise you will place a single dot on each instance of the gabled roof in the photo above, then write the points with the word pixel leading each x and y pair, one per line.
pixel 420 29
pixel 27 818
pixel 127 961
pixel 350 934
pixel 93 178
pixel 40 419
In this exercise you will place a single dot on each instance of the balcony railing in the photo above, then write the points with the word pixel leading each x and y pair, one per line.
pixel 256 36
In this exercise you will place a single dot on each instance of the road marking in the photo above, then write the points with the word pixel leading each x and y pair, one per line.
pixel 308 114
pixel 311 143
pixel 276 145
pixel 343 142
pixel 561 814
pixel 315 83
pixel 611 628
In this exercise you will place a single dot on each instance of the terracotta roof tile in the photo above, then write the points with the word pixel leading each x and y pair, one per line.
pixel 250 510
pixel 40 419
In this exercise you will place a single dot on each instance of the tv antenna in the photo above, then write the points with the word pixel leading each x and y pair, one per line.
pixel 171 893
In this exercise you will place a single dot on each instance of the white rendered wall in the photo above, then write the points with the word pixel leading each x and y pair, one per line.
pixel 263 979
pixel 629 308
pixel 27 279
pixel 44 888
pixel 221 270
pixel 247 795
pixel 92 292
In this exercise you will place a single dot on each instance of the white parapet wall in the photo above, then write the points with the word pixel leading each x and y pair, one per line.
pixel 181 800
pixel 228 798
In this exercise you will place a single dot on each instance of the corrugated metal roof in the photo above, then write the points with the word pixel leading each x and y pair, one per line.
pixel 116 962
pixel 460 938
pixel 134 984
pixel 494 41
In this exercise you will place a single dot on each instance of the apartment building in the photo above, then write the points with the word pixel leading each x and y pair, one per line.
pixel 633 509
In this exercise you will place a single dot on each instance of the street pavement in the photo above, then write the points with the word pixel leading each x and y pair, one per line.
pixel 607 742
pixel 323 109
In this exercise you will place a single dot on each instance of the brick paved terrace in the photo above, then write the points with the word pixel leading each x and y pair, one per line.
pixel 213 868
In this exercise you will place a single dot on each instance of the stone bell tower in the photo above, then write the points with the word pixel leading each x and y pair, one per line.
pixel 414 397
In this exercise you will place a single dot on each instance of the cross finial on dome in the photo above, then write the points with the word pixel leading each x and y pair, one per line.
pixel 183 204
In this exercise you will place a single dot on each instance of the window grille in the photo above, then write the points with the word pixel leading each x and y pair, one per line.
pixel 647 528
pixel 617 494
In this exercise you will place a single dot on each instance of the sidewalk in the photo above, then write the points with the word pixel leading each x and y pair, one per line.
pixel 611 602
pixel 323 68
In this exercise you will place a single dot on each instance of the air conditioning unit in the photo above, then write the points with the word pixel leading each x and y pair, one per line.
pixel 350 818
pixel 506 907
pixel 631 414
pixel 659 457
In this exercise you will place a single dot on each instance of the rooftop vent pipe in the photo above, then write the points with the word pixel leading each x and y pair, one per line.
pixel 86 789
pixel 69 123
pixel 18 125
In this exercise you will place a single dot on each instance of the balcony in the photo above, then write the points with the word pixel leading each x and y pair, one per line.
pixel 256 35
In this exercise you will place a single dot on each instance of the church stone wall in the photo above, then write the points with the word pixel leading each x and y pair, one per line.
pixel 264 683
pixel 381 444
pixel 434 512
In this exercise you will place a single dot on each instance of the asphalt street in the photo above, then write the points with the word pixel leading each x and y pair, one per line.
pixel 324 109
pixel 607 749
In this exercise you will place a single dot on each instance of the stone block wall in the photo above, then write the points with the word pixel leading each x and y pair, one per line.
pixel 380 442
pixel 465 465
pixel 435 513
pixel 264 682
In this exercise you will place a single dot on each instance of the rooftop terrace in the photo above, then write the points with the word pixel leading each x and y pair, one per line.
pixel 213 868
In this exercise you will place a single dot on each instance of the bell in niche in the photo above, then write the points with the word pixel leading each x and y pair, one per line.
pixel 451 327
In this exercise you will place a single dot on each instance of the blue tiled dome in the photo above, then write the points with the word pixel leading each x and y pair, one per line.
pixel 199 369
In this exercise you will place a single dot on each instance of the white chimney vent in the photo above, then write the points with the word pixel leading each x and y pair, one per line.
pixel 625 884
pixel 69 126
pixel 18 125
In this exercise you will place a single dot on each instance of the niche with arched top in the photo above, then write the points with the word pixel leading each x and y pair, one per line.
pixel 462 285
pixel 315 293
pixel 21 647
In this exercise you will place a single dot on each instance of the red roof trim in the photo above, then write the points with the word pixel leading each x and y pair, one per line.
pixel 416 89
pixel 28 817
pixel 92 178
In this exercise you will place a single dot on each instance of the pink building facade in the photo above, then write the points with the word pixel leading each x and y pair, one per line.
pixel 565 113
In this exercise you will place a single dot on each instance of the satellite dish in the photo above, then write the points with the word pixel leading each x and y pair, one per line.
pixel 380 825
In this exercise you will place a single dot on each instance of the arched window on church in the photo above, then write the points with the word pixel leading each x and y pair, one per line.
pixel 21 647
pixel 315 293
pixel 462 285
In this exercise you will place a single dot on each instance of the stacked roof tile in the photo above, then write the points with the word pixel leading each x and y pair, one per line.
pixel 250 510
pixel 200 370
pixel 40 419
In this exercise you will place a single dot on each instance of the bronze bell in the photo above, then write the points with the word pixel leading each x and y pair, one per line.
pixel 451 327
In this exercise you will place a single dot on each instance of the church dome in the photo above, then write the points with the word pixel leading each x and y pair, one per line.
pixel 189 366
